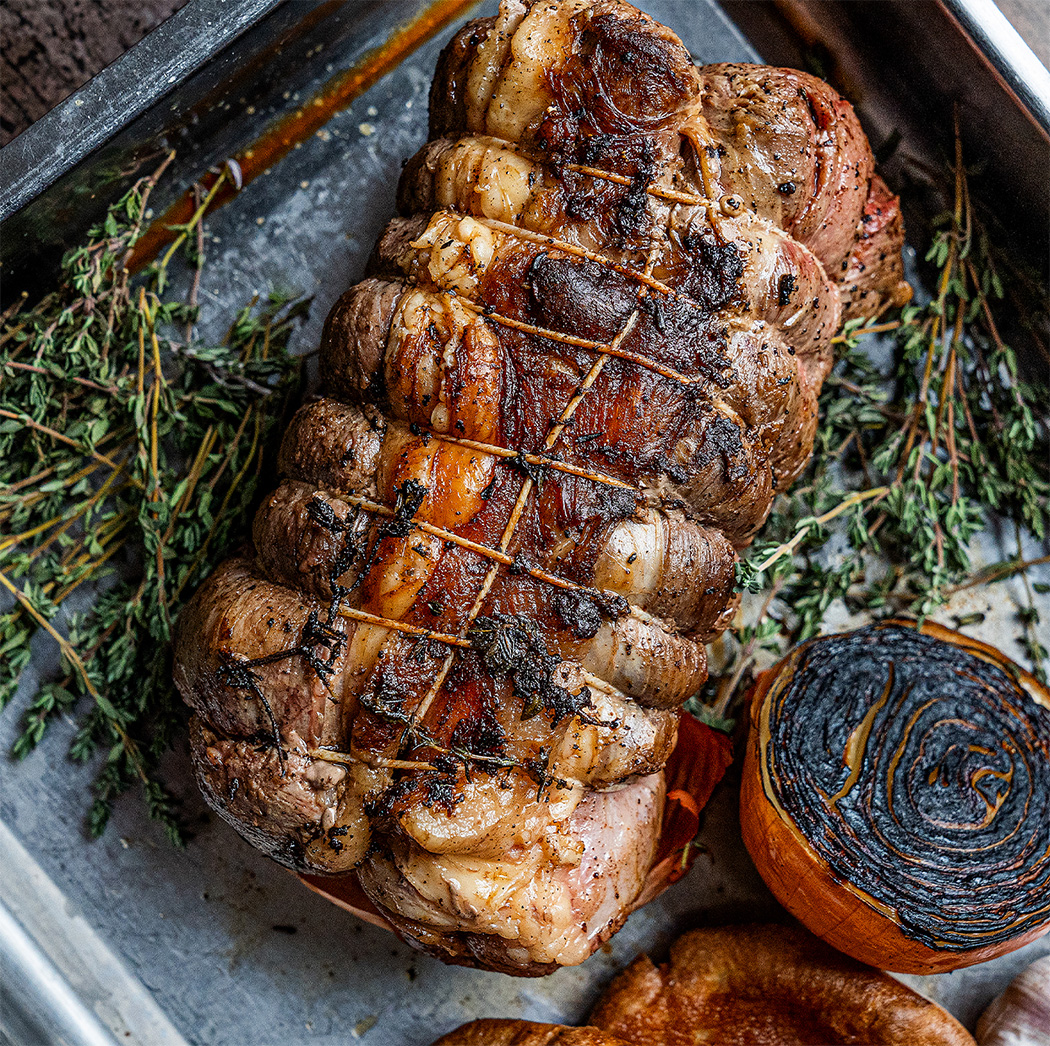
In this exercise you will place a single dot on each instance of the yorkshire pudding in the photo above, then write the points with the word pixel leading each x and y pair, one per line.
pixel 526 1033
pixel 766 986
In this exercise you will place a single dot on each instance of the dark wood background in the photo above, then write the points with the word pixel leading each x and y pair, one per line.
pixel 49 48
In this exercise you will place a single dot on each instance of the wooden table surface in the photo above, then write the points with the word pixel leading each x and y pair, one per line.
pixel 49 48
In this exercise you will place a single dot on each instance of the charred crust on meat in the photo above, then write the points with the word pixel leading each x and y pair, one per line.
pixel 409 496
pixel 534 470
pixel 334 835
pixel 622 212
pixel 714 269
pixel 579 613
pixel 722 440
pixel 579 296
pixel 436 787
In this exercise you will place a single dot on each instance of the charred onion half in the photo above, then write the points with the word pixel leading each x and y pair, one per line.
pixel 896 795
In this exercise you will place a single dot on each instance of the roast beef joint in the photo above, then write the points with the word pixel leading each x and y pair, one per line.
pixel 585 357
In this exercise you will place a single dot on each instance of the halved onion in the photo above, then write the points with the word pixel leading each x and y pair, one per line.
pixel 896 795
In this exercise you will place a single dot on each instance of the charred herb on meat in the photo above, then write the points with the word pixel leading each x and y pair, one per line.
pixel 125 439
pixel 512 648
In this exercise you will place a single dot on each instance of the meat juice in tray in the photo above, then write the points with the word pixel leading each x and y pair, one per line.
pixel 594 287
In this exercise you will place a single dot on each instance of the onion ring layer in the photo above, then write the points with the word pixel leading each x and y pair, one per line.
pixel 913 768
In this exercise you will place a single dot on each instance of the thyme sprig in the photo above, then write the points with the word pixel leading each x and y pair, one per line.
pixel 911 463
pixel 130 450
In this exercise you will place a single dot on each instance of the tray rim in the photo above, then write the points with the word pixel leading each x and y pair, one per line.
pixel 53 963
pixel 111 100
pixel 1019 71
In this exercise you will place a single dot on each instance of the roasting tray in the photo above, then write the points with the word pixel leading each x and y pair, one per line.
pixel 127 940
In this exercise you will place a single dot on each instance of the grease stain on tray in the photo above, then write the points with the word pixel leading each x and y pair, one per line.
pixel 365 1025
pixel 289 132
pixel 243 910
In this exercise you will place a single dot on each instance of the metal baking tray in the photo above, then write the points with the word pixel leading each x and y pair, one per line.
pixel 127 940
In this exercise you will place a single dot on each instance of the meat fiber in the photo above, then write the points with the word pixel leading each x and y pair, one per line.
pixel 585 358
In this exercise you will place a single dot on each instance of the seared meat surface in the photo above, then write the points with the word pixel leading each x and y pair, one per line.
pixel 586 356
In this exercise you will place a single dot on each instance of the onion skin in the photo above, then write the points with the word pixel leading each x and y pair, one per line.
pixel 816 874
pixel 1021 1015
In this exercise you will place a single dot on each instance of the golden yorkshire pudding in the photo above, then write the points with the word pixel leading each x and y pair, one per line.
pixel 896 795
pixel 767 986
pixel 526 1033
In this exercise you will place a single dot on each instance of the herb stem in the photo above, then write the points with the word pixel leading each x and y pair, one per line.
pixel 60 437
pixel 861 332
pixel 117 448
pixel 806 525
pixel 73 659
pixel 87 383
pixel 999 572
pixel 198 214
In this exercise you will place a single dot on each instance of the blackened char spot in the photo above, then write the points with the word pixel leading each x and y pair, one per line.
pixel 512 648
pixel 579 297
pixel 334 834
pixel 714 270
pixel 785 288
pixel 722 440
pixel 671 468
pixel 592 149
pixel 619 212
pixel 438 787
pixel 632 210
pixel 675 331
pixel 579 612
pixel 410 495
pixel 481 734
pixel 532 469
pixel 616 503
